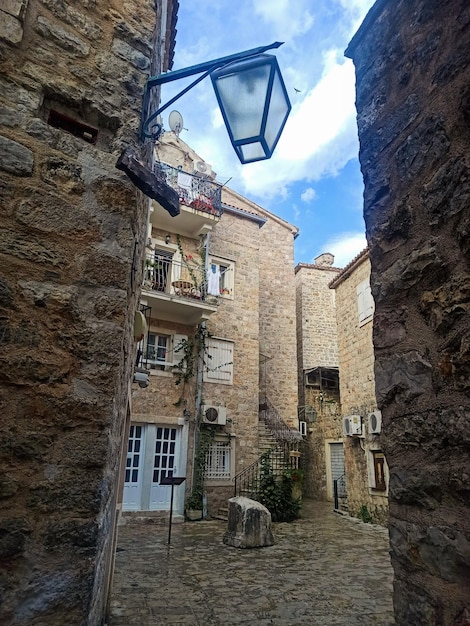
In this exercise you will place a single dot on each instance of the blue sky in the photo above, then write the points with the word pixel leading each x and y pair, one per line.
pixel 313 179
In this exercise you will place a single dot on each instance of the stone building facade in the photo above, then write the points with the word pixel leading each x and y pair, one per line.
pixel 412 62
pixel 71 248
pixel 251 315
pixel 366 469
pixel 318 376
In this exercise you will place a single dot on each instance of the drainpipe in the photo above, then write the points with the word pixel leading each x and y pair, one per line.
pixel 199 377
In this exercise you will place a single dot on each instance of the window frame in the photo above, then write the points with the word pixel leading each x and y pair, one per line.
pixel 227 444
pixel 227 280
pixel 172 358
pixel 377 461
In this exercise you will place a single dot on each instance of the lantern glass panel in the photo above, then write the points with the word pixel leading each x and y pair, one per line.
pixel 243 98
pixel 278 111
pixel 251 152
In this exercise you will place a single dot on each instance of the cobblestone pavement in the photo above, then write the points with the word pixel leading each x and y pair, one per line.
pixel 325 569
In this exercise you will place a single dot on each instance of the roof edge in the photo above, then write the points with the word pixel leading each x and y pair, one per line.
pixel 350 267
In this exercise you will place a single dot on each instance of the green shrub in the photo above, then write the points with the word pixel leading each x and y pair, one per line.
pixel 275 493
pixel 364 515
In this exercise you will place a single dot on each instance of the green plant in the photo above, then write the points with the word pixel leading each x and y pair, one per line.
pixel 364 515
pixel 204 442
pixel 275 493
pixel 194 501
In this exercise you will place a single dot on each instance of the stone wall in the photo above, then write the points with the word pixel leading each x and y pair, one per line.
pixel 70 251
pixel 316 316
pixel 357 392
pixel 412 63
pixel 277 317
pixel 317 346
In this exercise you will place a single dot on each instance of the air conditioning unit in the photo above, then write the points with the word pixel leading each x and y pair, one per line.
pixel 352 425
pixel 214 415
pixel 201 167
pixel 303 428
pixel 374 422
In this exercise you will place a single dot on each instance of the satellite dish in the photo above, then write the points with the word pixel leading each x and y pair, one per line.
pixel 175 120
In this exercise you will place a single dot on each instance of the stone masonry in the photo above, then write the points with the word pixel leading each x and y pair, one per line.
pixel 317 347
pixel 251 317
pixel 71 248
pixel 412 60
pixel 357 391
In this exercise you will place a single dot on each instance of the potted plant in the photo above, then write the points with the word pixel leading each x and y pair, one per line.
pixel 193 509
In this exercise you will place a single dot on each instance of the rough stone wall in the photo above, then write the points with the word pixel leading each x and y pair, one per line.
pixel 327 427
pixel 316 316
pixel 357 392
pixel 412 63
pixel 317 346
pixel 70 225
pixel 237 239
pixel 277 317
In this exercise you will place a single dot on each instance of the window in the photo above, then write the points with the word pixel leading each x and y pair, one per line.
pixel 218 461
pixel 157 349
pixel 365 302
pixel 379 480
pixel 218 361
pixel 221 277
pixel 163 351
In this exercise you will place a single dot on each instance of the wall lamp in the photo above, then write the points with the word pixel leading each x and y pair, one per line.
pixel 251 94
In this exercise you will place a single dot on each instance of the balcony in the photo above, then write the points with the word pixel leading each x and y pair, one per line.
pixel 200 202
pixel 177 291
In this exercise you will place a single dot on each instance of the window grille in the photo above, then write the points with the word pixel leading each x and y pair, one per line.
pixel 218 461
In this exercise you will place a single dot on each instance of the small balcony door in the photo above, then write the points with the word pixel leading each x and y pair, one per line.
pixel 134 468
pixel 153 453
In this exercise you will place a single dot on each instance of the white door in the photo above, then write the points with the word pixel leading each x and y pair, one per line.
pixel 134 469
pixel 153 453
pixel 164 464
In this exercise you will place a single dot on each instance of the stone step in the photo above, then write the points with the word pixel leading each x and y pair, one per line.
pixel 160 518
pixel 222 514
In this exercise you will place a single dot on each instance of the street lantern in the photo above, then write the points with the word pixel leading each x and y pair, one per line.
pixel 251 94
pixel 254 104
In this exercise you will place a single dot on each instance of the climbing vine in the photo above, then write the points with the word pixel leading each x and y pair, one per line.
pixel 196 270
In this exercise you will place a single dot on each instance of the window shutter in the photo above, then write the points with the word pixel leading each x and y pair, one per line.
pixel 219 361
pixel 365 302
pixel 179 342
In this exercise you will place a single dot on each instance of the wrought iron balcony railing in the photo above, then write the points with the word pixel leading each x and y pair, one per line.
pixel 186 280
pixel 195 191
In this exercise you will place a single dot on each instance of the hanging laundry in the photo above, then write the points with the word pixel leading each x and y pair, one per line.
pixel 185 181
pixel 213 281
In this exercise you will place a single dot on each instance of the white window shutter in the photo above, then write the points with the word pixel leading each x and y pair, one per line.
pixel 178 350
pixel 219 361
pixel 365 302
pixel 176 263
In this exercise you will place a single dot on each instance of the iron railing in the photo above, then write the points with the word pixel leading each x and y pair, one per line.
pixel 176 278
pixel 281 431
pixel 194 190
pixel 247 482
pixel 283 455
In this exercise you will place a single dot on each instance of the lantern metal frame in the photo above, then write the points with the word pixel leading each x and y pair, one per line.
pixel 151 129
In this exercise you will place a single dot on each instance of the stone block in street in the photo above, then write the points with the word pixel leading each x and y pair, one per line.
pixel 249 524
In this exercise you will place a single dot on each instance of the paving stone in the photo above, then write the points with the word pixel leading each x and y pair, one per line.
pixel 324 570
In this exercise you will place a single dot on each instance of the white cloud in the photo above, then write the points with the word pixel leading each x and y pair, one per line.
pixel 288 19
pixel 308 195
pixel 345 246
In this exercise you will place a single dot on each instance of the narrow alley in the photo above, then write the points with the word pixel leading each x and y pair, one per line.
pixel 325 569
